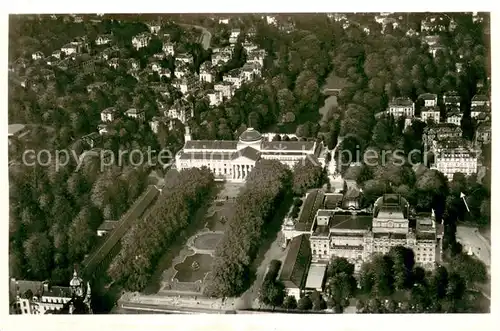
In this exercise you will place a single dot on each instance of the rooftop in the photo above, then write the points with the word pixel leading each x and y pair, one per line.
pixel 248 152
pixel 480 97
pixel 288 145
pixel 211 144
pixel 332 201
pixel 428 96
pixel 250 135
pixel 108 225
pixel 313 202
pixel 401 102
pixel 351 221
pixel 389 235
pixel 294 271
pixel 15 128
pixel 316 276
pixel 208 155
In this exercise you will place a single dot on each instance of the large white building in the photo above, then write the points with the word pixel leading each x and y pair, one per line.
pixel 459 159
pixel 401 107
pixel 234 160
pixel 338 228
pixel 38 298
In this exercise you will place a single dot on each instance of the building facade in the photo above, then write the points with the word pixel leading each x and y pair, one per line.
pixel 36 298
pixel 402 107
pixel 341 229
pixel 455 160
pixel 234 160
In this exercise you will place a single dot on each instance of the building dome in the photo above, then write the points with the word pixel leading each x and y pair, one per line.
pixel 250 135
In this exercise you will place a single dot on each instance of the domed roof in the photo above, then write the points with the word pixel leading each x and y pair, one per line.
pixel 250 135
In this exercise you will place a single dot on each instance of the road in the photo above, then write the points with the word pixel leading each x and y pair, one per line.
pixel 205 35
pixel 249 298
pixel 470 237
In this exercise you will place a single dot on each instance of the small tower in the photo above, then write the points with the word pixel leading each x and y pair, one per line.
pixel 433 218
pixel 187 135
pixel 76 285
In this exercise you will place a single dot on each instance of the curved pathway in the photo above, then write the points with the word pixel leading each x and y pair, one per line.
pixel 206 36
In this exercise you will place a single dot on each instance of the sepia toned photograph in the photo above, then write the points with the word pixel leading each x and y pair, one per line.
pixel 252 163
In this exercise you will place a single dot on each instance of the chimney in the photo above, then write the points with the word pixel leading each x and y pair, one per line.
pixel 46 286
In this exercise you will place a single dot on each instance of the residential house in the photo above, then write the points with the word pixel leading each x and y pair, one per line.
pixel 186 58
pixel 57 54
pixel 440 132
pixel 454 118
pixel 233 37
pixel 105 129
pixel 433 24
pixel 110 52
pixel 478 111
pixel 431 113
pixel 108 114
pixel 92 139
pixel 141 40
pixel 294 270
pixel 50 60
pixel 157 121
pixel 435 49
pixel 483 133
pixel 452 156
pixel 452 99
pixel 287 27
pixel 271 20
pixel 181 69
pixel 252 32
pixel 160 56
pixel 340 17
pixel 37 55
pixel 257 56
pixel 411 33
pixel 155 66
pixel 168 48
pixel 401 107
pixel 106 227
pixel 479 100
pixel 133 64
pixel 215 97
pixel 180 110
pixel 227 89
pixel 223 20
pixel 250 71
pixel 69 49
pixel 103 39
pixel 165 72
pixel 154 27
pixel 234 77
pixel 206 72
pixel 430 99
pixel 249 47
pixel 114 62
pixel 220 58
pixel 136 114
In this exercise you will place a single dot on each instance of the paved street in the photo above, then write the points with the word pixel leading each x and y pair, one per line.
pixel 470 237
pixel 206 36
pixel 249 298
